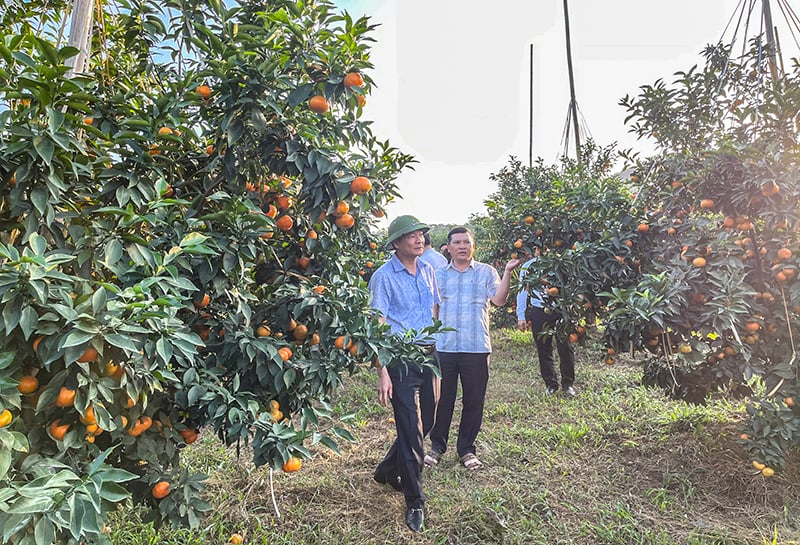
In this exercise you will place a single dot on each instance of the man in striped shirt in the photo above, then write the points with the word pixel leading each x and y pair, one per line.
pixel 466 288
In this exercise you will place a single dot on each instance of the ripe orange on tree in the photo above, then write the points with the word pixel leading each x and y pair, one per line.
pixel 36 342
pixel 319 289
pixel 353 79
pixel 362 100
pixel 90 354
pixel 28 384
pixel 292 464
pixel 5 418
pixel 285 223
pixel 65 398
pixel 707 204
pixel 752 326
pixel 300 332
pixel 342 342
pixel 552 291
pixel 345 221
pixel 164 131
pixel 204 91
pixel 518 243
pixel 189 435
pixel 341 209
pixel 784 254
pixel 204 301
pixel 699 262
pixel 285 353
pixel 161 490
pixel 770 188
pixel 58 430
pixel 789 400
pixel 236 539
pixel 318 104
pixel 284 202
pixel 263 331
pixel 528 220
pixel 643 228
pixel 574 337
pixel 360 185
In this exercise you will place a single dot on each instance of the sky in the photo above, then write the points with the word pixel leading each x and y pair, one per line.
pixel 453 78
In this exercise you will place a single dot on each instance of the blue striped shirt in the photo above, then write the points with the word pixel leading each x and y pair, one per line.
pixel 405 300
pixel 465 307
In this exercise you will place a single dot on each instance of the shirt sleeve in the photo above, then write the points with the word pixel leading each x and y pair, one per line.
pixel 379 293
pixel 492 281
pixel 522 294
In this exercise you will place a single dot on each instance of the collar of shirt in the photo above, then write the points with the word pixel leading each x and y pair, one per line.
pixel 471 265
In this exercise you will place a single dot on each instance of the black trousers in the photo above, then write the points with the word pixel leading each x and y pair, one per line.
pixel 414 399
pixel 539 319
pixel 473 370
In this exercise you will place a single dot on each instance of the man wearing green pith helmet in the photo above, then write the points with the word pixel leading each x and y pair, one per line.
pixel 404 290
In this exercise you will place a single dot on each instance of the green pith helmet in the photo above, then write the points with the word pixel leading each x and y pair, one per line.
pixel 403 225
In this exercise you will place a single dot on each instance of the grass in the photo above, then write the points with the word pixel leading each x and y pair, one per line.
pixel 619 464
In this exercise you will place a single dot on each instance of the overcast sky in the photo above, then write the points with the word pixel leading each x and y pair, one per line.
pixel 453 81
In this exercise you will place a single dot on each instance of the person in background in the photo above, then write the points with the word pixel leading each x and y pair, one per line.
pixel 466 287
pixel 405 292
pixel 444 252
pixel 533 314
pixel 431 256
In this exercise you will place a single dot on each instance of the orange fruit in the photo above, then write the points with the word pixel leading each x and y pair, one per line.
pixel 320 289
pixel 204 301
pixel 88 120
pixel 90 354
pixel 354 350
pixel 88 417
pixel 345 221
pixel 236 539
pixel 161 490
pixel 707 204
pixel 770 188
pixel 285 353
pixel 272 211
pixel 684 348
pixel 699 262
pixel 5 418
pixel 164 131
pixel 784 253
pixel 58 430
pixel 341 209
pixel 768 472
pixel 284 202
pixel 276 415
pixel 37 341
pixel 204 91
pixel 752 327
pixel 312 234
pixel 609 360
pixel 360 185
pixel 314 339
pixel 362 100
pixel 292 464
pixel 110 369
pixel 789 400
pixel 758 465
pixel 552 291
pixel 318 104
pixel 189 435
pixel 340 342
pixel 285 223
pixel 353 79
pixel 65 398
pixel 574 337
pixel 210 149
pixel 303 262
pixel 518 243
pixel 28 384
pixel 263 331
pixel 528 220
pixel 300 332
pixel 141 426
pixel 744 437
pixel 643 228
pixel 168 192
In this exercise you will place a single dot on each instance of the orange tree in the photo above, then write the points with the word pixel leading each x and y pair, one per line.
pixel 180 249
pixel 699 271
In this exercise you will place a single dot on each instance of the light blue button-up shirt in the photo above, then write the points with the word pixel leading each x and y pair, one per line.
pixel 405 300
pixel 522 296
pixel 465 306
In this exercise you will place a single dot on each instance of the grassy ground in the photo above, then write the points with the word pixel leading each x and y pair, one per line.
pixel 619 464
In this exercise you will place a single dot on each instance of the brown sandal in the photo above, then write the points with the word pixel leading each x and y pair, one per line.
pixel 471 462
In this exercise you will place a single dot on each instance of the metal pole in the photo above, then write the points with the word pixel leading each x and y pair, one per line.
pixel 572 102
pixel 771 46
pixel 79 33
pixel 530 116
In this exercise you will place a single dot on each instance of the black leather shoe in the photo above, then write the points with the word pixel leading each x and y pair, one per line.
pixel 415 519
pixel 392 480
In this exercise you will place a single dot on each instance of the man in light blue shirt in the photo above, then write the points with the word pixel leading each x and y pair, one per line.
pixel 534 314
pixel 436 260
pixel 404 290
pixel 466 287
